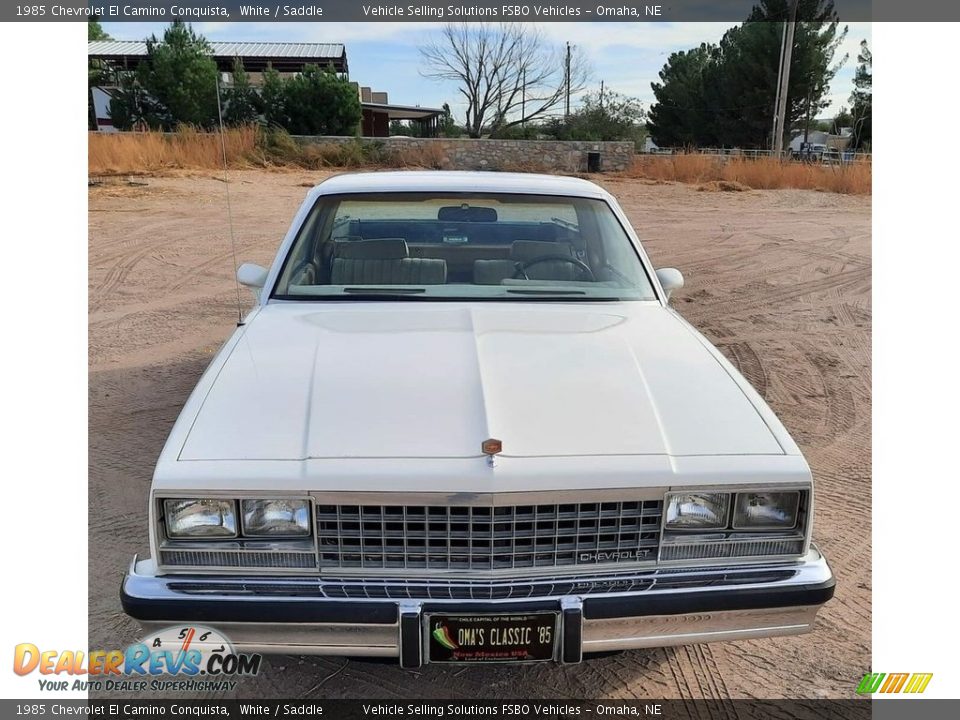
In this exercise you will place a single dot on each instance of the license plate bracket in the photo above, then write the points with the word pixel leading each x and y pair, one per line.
pixel 491 638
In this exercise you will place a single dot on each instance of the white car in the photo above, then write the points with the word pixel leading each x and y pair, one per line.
pixel 463 424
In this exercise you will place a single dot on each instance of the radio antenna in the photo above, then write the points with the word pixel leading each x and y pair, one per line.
pixel 226 185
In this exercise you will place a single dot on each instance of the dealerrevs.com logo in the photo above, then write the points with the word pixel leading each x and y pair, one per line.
pixel 894 683
pixel 181 654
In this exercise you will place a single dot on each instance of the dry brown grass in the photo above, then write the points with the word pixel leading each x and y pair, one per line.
pixel 187 149
pixel 723 186
pixel 431 157
pixel 150 152
pixel 761 173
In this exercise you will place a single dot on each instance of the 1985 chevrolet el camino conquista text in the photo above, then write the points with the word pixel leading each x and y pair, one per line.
pixel 463 424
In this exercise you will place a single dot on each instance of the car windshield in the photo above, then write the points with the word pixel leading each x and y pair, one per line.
pixel 462 246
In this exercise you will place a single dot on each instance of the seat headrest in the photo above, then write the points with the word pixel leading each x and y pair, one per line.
pixel 379 249
pixel 529 249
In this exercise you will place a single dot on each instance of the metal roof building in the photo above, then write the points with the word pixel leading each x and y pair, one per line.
pixel 255 56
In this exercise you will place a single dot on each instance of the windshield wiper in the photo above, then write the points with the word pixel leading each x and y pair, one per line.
pixel 537 291
pixel 579 295
pixel 384 290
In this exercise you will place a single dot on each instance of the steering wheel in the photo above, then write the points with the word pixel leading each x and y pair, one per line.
pixel 522 267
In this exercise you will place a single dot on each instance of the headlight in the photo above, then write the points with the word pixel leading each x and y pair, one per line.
pixel 766 510
pixel 276 518
pixel 200 518
pixel 697 510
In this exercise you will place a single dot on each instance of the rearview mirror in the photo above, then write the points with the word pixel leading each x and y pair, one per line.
pixel 670 279
pixel 253 276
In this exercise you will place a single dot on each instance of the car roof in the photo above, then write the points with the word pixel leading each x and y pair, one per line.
pixel 458 181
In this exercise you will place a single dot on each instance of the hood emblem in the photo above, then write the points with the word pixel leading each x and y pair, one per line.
pixel 491 446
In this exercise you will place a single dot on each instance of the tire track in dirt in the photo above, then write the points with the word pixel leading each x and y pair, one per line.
pixel 839 281
pixel 117 274
pixel 748 362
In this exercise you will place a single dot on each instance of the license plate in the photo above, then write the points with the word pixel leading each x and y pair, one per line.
pixel 530 637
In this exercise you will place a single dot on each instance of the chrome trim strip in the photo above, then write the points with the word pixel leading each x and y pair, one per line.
pixel 491 499
pixel 665 630
pixel 143 582
pixel 308 638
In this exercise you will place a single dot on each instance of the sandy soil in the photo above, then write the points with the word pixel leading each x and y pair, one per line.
pixel 779 280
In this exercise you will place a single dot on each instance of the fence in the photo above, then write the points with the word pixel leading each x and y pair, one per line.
pixel 843 155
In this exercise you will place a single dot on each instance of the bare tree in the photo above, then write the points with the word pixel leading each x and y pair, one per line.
pixel 508 73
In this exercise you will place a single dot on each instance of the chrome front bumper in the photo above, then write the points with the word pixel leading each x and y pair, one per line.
pixel 383 617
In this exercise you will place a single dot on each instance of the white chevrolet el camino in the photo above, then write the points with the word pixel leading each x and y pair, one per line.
pixel 463 424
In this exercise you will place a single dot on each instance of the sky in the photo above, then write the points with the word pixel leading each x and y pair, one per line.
pixel 627 57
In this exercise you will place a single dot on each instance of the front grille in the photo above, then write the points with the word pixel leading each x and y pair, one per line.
pixel 238 559
pixel 487 538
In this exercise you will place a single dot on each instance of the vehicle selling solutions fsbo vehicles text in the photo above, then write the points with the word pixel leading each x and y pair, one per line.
pixel 507 11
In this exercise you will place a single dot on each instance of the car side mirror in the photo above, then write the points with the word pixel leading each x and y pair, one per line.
pixel 252 276
pixel 670 279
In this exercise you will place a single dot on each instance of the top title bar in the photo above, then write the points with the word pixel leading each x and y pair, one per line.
pixel 463 10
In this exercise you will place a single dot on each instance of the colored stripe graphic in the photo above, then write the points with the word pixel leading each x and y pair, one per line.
pixel 870 683
pixel 918 682
pixel 894 683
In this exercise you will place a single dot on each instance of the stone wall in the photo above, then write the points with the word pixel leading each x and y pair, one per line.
pixel 470 154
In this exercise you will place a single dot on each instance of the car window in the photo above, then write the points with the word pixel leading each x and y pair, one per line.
pixel 462 246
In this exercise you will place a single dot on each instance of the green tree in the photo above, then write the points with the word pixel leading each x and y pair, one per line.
pixel 97 73
pixel 131 106
pixel 181 78
pixel 843 119
pixel 748 64
pixel 95 31
pixel 272 97
pixel 610 116
pixel 448 126
pixel 399 127
pixel 680 117
pixel 726 95
pixel 243 104
pixel 319 102
pixel 861 100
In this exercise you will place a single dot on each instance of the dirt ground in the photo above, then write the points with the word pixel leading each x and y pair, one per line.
pixel 779 280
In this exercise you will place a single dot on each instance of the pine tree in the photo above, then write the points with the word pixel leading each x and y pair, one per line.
pixel 861 99
pixel 680 117
pixel 242 103
pixel 725 95
pixel 181 78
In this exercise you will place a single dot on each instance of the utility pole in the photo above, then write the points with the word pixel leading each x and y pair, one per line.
pixel 785 80
pixel 601 94
pixel 776 102
pixel 523 98
pixel 567 77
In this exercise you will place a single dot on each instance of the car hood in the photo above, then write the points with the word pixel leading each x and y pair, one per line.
pixel 434 380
